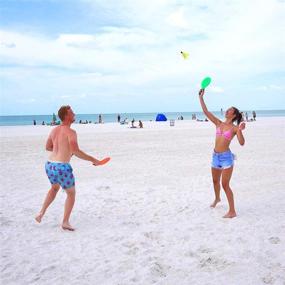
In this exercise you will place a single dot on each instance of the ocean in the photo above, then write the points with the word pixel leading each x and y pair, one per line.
pixel 108 118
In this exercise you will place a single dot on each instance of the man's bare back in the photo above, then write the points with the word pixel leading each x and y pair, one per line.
pixel 59 142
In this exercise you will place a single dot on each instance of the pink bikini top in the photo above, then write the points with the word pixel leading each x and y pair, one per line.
pixel 226 134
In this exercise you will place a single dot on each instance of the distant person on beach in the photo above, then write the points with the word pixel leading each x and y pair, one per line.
pixel 223 158
pixel 34 122
pixel 62 142
pixel 140 124
pixel 100 119
pixel 43 123
pixel 125 121
pixel 246 116
pixel 119 118
pixel 254 115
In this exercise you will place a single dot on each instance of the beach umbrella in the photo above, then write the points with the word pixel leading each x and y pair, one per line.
pixel 161 118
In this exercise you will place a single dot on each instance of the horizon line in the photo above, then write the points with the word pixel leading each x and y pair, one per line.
pixel 157 112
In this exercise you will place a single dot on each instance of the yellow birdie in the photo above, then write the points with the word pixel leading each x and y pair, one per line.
pixel 185 54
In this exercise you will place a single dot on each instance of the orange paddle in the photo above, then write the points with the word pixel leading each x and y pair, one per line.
pixel 104 161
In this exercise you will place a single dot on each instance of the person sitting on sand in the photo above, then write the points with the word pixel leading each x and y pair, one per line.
pixel 223 158
pixel 140 124
pixel 62 142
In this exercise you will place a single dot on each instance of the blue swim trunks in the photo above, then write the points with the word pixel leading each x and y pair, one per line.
pixel 222 160
pixel 60 173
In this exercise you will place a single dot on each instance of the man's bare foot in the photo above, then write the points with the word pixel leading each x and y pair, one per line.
pixel 38 217
pixel 213 205
pixel 230 215
pixel 67 226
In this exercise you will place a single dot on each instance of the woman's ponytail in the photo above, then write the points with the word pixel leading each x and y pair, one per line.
pixel 238 116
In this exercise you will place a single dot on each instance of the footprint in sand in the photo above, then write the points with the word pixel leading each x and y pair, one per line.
pixel 274 240
pixel 213 263
pixel 268 279
pixel 159 270
pixel 102 188
pixel 205 250
pixel 152 235
pixel 190 253
pixel 48 268
pixel 5 221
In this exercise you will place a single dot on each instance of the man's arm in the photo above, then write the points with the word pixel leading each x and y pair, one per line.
pixel 208 114
pixel 49 144
pixel 72 137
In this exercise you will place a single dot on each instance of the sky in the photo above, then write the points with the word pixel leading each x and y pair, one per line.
pixel 109 56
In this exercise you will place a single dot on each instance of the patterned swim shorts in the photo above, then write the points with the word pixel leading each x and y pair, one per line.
pixel 60 173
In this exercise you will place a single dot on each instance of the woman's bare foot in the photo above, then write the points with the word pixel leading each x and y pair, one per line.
pixel 213 205
pixel 67 226
pixel 38 217
pixel 230 215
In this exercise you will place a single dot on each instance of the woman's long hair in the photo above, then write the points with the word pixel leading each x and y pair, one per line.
pixel 238 116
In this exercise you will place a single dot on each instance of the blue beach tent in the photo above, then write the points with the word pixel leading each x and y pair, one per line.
pixel 161 118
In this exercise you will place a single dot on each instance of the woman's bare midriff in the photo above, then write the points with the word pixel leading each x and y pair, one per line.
pixel 222 145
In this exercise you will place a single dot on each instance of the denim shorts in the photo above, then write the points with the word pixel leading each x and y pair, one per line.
pixel 222 160
pixel 60 173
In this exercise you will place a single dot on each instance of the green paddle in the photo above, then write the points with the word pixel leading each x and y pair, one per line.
pixel 205 82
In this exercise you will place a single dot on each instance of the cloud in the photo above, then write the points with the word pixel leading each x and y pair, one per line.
pixel 270 87
pixel 216 89
pixel 7 45
pixel 75 40
pixel 137 51
pixel 177 19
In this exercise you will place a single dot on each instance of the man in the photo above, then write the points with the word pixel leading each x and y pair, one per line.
pixel 62 142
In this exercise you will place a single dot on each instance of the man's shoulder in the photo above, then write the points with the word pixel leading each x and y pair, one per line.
pixel 71 131
pixel 54 130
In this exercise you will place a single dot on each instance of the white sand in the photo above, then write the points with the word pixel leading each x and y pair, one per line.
pixel 144 218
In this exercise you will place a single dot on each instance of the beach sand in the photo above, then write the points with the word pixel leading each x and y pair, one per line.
pixel 144 218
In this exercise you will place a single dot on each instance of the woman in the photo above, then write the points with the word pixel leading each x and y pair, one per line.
pixel 223 159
